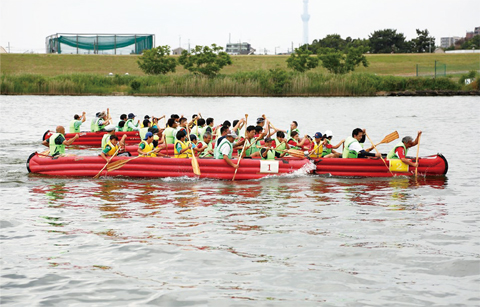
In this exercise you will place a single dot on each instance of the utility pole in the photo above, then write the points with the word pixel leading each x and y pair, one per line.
pixel 8 47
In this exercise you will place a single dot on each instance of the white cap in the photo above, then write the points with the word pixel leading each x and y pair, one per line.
pixel 232 134
pixel 328 133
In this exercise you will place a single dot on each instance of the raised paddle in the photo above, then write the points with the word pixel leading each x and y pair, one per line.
pixel 418 150
pixel 114 154
pixel 243 150
pixel 389 138
pixel 195 166
pixel 379 153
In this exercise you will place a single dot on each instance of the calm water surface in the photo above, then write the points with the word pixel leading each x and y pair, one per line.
pixel 290 241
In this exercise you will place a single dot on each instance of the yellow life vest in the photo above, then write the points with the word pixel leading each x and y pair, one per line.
pixel 148 148
pixel 185 154
pixel 317 150
pixel 113 148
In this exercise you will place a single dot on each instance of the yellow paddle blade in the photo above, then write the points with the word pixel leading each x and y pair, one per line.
pixel 389 138
pixel 195 166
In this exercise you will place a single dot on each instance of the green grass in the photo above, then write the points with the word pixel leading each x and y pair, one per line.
pixel 257 83
pixel 381 64
pixel 37 74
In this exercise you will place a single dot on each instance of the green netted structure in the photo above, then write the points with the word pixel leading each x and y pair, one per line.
pixel 68 43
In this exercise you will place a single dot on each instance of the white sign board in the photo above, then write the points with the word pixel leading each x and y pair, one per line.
pixel 268 167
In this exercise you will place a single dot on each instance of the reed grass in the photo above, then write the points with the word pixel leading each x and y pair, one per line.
pixel 256 83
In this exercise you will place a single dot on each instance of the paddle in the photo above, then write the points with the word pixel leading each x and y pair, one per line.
pixel 195 166
pixel 389 138
pixel 379 153
pixel 243 150
pixel 418 150
pixel 114 154
pixel 118 164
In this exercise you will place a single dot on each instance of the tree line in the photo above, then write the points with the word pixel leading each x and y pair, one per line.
pixel 381 41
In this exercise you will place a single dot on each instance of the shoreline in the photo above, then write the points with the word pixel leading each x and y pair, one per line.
pixel 423 93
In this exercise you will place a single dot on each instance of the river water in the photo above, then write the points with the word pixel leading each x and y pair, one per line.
pixel 294 240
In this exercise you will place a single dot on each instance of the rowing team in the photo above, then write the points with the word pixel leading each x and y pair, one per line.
pixel 206 141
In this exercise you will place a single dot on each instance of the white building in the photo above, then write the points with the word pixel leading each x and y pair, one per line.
pixel 446 42
pixel 239 48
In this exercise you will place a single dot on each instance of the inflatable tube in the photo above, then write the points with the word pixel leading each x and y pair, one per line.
pixel 435 165
pixel 95 138
pixel 164 167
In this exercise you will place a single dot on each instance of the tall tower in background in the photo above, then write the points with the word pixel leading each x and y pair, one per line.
pixel 305 18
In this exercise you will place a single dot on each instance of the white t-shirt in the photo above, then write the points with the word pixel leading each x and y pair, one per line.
pixel 225 149
pixel 355 146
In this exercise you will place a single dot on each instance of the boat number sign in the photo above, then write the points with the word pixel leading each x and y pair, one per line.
pixel 269 167
pixel 396 165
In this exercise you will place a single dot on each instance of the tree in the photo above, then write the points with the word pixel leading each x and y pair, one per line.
pixel 387 41
pixel 473 43
pixel 157 61
pixel 336 42
pixel 339 62
pixel 301 60
pixel 205 60
pixel 423 43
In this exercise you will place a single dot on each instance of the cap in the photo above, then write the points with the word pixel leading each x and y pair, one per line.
pixel 101 114
pixel 268 140
pixel 318 135
pixel 110 128
pixel 148 135
pixel 328 133
pixel 131 115
pixel 232 134
pixel 146 117
pixel 156 137
pixel 260 120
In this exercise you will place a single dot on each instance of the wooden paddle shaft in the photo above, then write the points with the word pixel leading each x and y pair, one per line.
pixel 418 151
pixel 379 153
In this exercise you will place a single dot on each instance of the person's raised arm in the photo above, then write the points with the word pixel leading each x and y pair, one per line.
pixel 416 140
pixel 70 141
pixel 84 118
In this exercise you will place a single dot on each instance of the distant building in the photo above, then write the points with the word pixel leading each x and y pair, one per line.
pixel 469 35
pixel 177 51
pixel 476 31
pixel 239 48
pixel 446 42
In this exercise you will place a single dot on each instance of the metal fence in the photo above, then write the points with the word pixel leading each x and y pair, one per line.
pixel 439 69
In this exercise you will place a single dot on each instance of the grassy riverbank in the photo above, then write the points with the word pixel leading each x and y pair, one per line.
pixel 380 64
pixel 41 74
pixel 258 83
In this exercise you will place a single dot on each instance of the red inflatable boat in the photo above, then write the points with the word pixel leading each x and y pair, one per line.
pixel 89 166
pixel 95 138
pixel 165 167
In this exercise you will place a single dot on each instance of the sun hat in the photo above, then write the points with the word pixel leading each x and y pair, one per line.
pixel 328 133
pixel 131 115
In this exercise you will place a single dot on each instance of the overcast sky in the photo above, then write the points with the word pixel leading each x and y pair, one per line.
pixel 262 23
